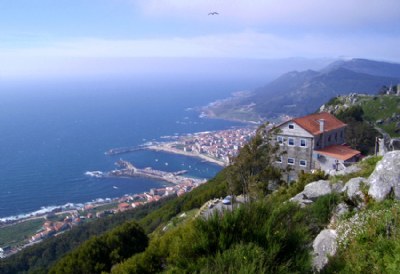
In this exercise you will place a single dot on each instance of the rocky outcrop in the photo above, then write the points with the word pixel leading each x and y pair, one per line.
pixel 341 210
pixel 383 182
pixel 346 170
pixel 314 190
pixel 386 177
pixel 394 143
pixel 324 245
pixel 353 190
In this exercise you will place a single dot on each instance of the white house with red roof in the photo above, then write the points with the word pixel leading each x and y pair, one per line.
pixel 315 141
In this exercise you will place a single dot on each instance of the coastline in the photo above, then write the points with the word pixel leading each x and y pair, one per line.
pixel 167 147
pixel 43 211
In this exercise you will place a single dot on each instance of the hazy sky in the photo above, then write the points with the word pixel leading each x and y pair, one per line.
pixel 36 35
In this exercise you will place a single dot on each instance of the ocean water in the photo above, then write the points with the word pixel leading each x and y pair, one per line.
pixel 52 132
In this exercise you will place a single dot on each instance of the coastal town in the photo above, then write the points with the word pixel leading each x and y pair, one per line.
pixel 216 147
pixel 62 219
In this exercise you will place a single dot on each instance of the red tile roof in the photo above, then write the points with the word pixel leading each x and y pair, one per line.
pixel 123 205
pixel 338 152
pixel 311 122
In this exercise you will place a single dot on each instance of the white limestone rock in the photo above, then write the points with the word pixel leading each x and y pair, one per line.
pixel 314 190
pixel 386 177
pixel 353 189
pixel 347 170
pixel 337 187
pixel 341 209
pixel 317 189
pixel 324 245
pixel 301 200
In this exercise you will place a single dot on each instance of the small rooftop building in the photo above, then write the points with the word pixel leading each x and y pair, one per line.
pixel 123 206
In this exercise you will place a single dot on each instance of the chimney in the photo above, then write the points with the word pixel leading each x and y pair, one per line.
pixel 321 125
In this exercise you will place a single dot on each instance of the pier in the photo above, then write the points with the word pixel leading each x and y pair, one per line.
pixel 127 169
pixel 121 150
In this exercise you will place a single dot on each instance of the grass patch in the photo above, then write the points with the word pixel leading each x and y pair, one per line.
pixel 178 220
pixel 380 109
pixel 16 234
pixel 369 242
pixel 387 105
pixel 103 208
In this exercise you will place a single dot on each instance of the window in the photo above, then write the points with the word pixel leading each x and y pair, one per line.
pixel 291 141
pixel 290 161
pixel 303 163
pixel 279 159
pixel 329 138
pixel 291 126
pixel 279 139
pixel 303 142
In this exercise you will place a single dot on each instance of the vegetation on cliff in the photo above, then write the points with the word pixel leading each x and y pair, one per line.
pixel 265 236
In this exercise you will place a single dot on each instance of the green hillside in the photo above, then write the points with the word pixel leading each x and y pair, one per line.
pixel 384 112
pixel 380 111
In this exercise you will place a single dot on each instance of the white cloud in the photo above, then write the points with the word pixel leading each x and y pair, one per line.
pixel 247 44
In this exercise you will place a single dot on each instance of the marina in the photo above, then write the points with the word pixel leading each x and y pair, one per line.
pixel 127 169
pixel 122 150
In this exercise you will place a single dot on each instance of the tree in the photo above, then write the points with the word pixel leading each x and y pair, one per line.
pixel 252 172
pixel 359 133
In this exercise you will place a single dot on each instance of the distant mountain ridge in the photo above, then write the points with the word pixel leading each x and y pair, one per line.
pixel 368 67
pixel 299 93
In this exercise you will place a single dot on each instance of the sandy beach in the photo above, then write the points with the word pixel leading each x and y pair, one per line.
pixel 167 147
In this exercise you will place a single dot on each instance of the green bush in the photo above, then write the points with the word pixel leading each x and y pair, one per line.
pixel 100 253
pixel 240 258
pixel 258 237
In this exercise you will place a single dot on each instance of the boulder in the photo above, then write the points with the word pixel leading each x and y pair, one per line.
pixel 394 144
pixel 386 177
pixel 317 189
pixel 347 170
pixel 353 190
pixel 341 209
pixel 324 245
pixel 301 200
pixel 314 190
pixel 337 187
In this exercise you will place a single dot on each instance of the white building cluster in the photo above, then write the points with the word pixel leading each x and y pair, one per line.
pixel 219 145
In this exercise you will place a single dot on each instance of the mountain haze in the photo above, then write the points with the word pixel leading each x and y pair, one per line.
pixel 298 93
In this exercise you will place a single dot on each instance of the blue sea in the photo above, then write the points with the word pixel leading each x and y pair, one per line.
pixel 52 132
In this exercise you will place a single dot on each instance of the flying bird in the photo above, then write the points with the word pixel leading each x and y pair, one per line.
pixel 213 13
